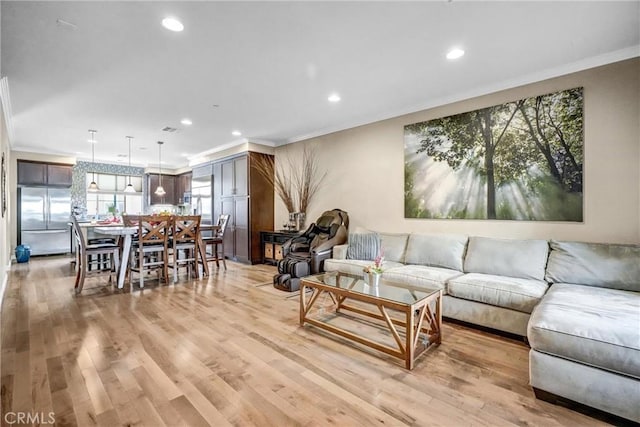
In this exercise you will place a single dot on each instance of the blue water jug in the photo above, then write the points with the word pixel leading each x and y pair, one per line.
pixel 23 252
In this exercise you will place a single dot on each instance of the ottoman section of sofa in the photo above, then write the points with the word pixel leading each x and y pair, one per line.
pixel 598 327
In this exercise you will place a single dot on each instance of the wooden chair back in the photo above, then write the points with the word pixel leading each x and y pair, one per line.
pixel 154 229
pixel 223 220
pixel 77 234
pixel 130 220
pixel 185 228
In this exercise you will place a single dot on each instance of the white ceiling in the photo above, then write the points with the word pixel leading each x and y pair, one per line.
pixel 270 66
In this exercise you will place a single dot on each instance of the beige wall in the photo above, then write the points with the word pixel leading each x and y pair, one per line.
pixel 366 165
pixel 5 223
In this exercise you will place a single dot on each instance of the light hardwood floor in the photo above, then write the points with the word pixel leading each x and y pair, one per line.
pixel 223 351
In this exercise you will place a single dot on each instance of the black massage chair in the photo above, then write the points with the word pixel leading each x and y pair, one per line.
pixel 305 254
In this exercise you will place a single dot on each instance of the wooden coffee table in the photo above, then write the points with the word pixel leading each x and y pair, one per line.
pixel 412 315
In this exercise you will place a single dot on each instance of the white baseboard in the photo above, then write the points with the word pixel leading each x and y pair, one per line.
pixel 3 287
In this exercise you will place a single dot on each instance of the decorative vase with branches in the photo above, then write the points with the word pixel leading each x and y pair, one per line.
pixel 296 183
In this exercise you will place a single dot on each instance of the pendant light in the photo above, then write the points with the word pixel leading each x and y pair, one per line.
pixel 129 188
pixel 160 191
pixel 93 186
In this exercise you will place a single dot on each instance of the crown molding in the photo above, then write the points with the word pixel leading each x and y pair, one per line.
pixel 573 67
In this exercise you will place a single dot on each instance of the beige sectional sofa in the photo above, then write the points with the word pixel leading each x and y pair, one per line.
pixel 578 304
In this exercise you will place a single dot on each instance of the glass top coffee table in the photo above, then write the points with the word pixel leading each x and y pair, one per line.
pixel 412 315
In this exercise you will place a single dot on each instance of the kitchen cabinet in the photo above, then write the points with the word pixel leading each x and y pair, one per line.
pixel 59 175
pixel 30 173
pixel 168 183
pixel 248 198
pixel 37 173
pixel 183 185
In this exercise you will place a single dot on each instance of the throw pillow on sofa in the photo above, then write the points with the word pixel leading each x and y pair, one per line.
pixel 363 246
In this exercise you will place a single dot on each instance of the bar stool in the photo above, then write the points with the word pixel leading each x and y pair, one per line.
pixel 150 252
pixel 184 244
pixel 217 242
pixel 105 256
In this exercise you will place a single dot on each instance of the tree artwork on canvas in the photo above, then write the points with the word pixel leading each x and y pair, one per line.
pixel 521 160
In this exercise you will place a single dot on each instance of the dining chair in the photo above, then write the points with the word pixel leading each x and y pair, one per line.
pixel 150 252
pixel 184 244
pixel 217 242
pixel 103 256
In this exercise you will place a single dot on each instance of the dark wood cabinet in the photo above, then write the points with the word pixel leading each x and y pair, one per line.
pixel 243 193
pixel 59 175
pixel 38 173
pixel 168 183
pixel 30 173
pixel 271 243
pixel 183 185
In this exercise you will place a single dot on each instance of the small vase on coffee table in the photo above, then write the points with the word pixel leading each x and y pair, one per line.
pixel 374 279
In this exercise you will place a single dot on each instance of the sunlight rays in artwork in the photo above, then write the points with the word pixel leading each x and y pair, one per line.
pixel 447 193
pixel 520 160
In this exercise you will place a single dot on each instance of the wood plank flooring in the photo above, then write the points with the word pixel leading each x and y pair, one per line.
pixel 223 351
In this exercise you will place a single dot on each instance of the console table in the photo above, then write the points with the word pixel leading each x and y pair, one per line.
pixel 271 243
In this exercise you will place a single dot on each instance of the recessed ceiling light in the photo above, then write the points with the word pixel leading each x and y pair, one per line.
pixel 334 97
pixel 236 133
pixel 455 53
pixel 186 122
pixel 172 24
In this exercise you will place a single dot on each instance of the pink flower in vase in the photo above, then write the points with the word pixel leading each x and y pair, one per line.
pixel 376 268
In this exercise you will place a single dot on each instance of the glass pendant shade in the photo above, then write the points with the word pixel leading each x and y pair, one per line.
pixel 160 190
pixel 129 188
pixel 93 186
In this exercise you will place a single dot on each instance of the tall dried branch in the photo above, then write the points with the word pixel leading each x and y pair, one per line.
pixel 301 183
pixel 265 165
pixel 309 178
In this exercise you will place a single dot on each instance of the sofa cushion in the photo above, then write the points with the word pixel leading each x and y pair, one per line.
pixel 507 257
pixel 394 246
pixel 436 250
pixel 595 326
pixel 363 246
pixel 420 276
pixel 354 266
pixel 595 264
pixel 507 292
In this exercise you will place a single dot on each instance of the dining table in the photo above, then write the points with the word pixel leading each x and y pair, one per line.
pixel 127 233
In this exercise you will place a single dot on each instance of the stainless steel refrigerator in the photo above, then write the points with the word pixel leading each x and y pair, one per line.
pixel 201 201
pixel 43 218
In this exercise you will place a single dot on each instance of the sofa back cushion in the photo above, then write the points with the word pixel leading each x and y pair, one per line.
pixel 394 246
pixel 363 246
pixel 595 264
pixel 507 257
pixel 436 250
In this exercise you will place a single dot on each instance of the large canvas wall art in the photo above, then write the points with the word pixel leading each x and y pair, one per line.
pixel 521 160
